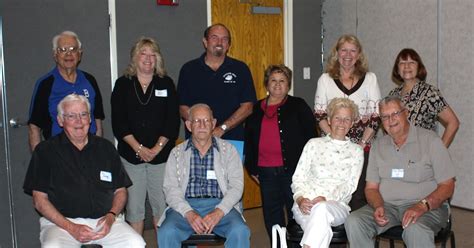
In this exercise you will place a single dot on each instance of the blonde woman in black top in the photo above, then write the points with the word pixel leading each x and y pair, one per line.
pixel 145 121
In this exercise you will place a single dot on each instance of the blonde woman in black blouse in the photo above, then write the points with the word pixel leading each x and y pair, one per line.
pixel 145 121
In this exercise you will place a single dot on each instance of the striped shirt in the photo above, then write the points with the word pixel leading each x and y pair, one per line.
pixel 202 179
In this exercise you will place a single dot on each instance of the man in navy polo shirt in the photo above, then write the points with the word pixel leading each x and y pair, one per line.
pixel 223 83
pixel 63 80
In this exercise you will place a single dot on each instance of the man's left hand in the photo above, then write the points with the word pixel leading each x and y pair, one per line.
pixel 412 214
pixel 103 226
pixel 213 218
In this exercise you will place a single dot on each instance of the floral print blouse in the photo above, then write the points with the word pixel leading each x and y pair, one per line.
pixel 424 102
pixel 329 168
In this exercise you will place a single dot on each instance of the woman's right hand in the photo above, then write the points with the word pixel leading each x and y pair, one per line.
pixel 146 154
pixel 304 204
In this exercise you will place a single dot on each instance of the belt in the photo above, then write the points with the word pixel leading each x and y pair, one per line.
pixel 202 196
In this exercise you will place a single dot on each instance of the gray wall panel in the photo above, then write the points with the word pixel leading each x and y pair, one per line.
pixel 178 30
pixel 306 47
pixel 456 83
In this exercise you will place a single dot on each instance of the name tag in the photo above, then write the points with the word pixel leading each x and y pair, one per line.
pixel 161 93
pixel 106 176
pixel 397 173
pixel 211 175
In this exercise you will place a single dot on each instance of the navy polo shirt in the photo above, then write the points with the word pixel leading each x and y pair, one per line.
pixel 51 89
pixel 223 90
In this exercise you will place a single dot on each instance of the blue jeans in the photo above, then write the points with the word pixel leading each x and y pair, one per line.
pixel 277 198
pixel 176 228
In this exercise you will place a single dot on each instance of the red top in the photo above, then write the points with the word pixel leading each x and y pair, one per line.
pixel 269 147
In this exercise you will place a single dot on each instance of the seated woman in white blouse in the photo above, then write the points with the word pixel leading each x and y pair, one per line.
pixel 326 176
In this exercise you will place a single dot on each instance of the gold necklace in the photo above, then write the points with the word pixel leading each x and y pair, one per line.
pixel 138 97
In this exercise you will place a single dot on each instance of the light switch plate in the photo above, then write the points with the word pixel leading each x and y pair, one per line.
pixel 306 73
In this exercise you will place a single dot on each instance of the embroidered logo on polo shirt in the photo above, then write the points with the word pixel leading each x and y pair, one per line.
pixel 86 93
pixel 229 78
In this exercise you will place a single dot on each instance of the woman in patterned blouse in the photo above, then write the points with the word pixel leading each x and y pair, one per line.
pixel 326 176
pixel 424 101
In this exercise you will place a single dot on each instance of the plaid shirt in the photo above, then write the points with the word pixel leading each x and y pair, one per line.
pixel 199 185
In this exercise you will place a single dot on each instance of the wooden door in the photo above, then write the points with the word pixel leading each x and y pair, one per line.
pixel 257 39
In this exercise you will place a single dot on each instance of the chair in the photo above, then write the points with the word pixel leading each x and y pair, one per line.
pixel 294 234
pixel 395 233
pixel 203 239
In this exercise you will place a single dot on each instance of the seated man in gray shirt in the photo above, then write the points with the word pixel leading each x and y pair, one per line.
pixel 410 177
pixel 203 185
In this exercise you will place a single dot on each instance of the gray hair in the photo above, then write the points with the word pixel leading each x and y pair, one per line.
pixel 72 98
pixel 65 33
pixel 342 102
pixel 388 99
pixel 199 105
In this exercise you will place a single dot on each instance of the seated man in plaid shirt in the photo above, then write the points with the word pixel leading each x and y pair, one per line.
pixel 203 185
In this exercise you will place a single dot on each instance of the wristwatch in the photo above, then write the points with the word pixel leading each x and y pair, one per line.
pixel 426 203
pixel 224 127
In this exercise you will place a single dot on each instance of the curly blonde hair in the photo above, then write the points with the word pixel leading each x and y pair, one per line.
pixel 342 102
pixel 139 45
pixel 333 66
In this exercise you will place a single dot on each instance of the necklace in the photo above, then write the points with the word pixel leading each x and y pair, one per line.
pixel 276 111
pixel 138 97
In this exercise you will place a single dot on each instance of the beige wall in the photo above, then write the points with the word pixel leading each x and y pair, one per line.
pixel 442 32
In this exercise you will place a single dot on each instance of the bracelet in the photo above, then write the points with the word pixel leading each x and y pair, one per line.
pixel 365 142
pixel 137 154
pixel 160 144
pixel 110 212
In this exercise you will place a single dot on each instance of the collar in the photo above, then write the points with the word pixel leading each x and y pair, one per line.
pixel 191 144
pixel 64 140
pixel 227 61
pixel 338 142
pixel 411 138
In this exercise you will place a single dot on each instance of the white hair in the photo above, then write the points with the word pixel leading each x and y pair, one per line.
pixel 72 98
pixel 65 33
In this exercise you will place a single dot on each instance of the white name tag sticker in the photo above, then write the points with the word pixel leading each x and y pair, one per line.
pixel 161 93
pixel 106 176
pixel 211 175
pixel 397 173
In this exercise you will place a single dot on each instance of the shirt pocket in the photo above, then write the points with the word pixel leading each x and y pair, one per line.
pixel 418 171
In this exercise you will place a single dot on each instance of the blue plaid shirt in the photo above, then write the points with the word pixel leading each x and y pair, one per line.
pixel 199 185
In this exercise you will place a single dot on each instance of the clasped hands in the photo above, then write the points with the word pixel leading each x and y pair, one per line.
pixel 204 225
pixel 84 233
pixel 148 154
pixel 306 204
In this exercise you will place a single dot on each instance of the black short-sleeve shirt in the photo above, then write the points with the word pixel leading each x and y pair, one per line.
pixel 79 183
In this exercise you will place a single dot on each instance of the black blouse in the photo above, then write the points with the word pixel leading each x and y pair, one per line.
pixel 146 116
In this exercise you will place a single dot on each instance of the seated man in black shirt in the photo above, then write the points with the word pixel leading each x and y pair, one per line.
pixel 78 184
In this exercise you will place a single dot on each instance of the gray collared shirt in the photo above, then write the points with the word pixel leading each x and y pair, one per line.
pixel 411 172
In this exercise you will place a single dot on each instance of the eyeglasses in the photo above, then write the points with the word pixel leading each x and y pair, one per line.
pixel 65 50
pixel 204 121
pixel 394 115
pixel 76 116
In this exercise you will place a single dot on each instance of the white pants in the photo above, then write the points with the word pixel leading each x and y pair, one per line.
pixel 121 235
pixel 317 224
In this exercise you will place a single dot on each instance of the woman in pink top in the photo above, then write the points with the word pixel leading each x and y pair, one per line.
pixel 275 135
